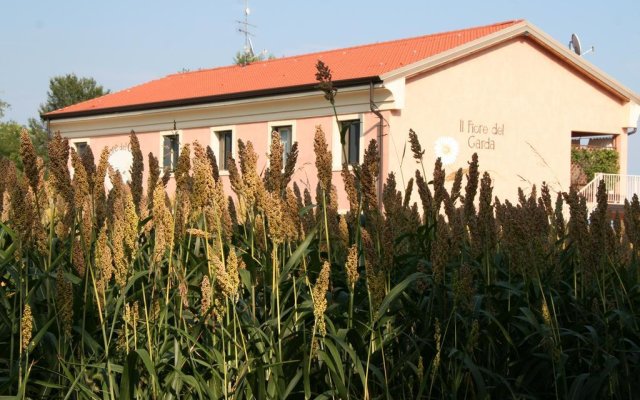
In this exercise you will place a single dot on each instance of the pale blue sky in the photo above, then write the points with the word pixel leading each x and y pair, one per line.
pixel 125 43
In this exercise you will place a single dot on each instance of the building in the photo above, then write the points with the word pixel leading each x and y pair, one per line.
pixel 507 91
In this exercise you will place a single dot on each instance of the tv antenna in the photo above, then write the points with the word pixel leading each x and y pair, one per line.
pixel 574 44
pixel 244 29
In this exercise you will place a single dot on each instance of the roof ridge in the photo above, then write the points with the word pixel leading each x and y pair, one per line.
pixel 360 46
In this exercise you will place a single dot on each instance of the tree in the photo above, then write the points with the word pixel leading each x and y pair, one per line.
pixel 10 141
pixel 245 58
pixel 65 90
pixel 3 106
pixel 9 137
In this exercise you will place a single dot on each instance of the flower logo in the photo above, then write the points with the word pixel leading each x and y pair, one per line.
pixel 447 149
pixel 120 160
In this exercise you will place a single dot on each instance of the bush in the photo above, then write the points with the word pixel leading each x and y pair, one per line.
pixel 594 161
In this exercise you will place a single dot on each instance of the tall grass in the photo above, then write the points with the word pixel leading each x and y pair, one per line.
pixel 271 294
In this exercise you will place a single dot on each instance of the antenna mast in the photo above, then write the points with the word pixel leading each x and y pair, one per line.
pixel 244 29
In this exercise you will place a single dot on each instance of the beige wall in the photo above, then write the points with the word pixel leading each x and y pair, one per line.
pixel 519 86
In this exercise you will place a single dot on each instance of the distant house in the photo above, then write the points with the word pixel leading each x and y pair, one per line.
pixel 507 91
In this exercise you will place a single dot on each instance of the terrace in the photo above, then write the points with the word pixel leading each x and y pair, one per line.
pixel 620 188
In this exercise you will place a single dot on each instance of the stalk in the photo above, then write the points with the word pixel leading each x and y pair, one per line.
pixel 276 289
pixel 326 223
pixel 104 333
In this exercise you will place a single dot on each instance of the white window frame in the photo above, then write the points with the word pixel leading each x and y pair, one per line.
pixel 75 141
pixel 215 144
pixel 161 150
pixel 336 146
pixel 72 142
pixel 275 124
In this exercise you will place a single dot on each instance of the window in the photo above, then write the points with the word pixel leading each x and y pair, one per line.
pixel 351 152
pixel 286 137
pixel 170 150
pixel 81 147
pixel 225 148
pixel 222 138
pixel 351 148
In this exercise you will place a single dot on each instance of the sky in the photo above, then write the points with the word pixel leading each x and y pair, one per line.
pixel 124 43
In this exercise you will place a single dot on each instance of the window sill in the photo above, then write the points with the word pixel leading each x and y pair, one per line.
pixel 350 166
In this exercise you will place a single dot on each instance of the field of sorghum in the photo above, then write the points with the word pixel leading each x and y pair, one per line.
pixel 273 294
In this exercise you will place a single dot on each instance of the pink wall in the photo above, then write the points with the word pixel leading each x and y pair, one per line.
pixel 258 134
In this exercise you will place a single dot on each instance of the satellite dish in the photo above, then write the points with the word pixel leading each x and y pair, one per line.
pixel 575 44
pixel 247 11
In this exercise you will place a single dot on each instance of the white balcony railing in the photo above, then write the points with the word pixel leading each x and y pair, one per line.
pixel 619 188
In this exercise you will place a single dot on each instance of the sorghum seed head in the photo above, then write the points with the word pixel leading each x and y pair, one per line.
pixel 352 266
pixel 320 297
pixel 205 300
pixel 416 148
pixel 325 82
pixel 26 327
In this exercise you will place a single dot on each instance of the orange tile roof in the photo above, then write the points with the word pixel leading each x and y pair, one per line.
pixel 348 64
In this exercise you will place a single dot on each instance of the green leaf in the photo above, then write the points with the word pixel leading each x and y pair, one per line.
pixel 41 332
pixel 395 292
pixel 129 378
pixel 146 360
pixel 297 255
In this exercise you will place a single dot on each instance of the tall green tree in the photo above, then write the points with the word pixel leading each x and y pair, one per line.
pixel 9 137
pixel 65 90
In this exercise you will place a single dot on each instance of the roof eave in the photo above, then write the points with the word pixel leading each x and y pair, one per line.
pixel 523 28
pixel 207 99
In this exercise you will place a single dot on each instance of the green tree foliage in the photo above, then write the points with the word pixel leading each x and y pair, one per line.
pixel 593 161
pixel 65 90
pixel 10 141
pixel 3 106
pixel 246 58
pixel 9 137
pixel 39 137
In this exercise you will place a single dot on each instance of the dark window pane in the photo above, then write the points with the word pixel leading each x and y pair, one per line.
pixel 228 149
pixel 354 143
pixel 170 151
pixel 166 152
pixel 286 139
pixel 81 148
pixel 225 149
pixel 351 148
pixel 175 150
